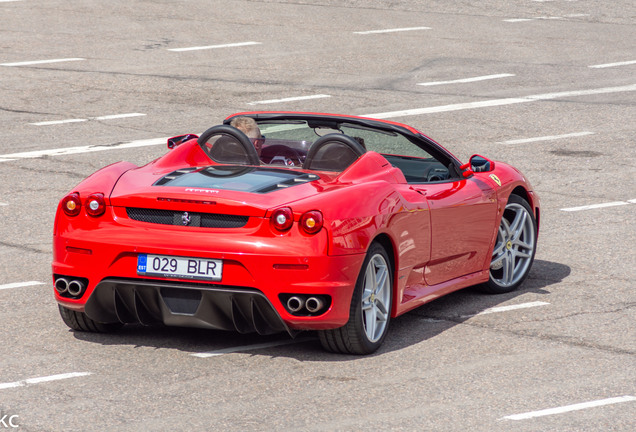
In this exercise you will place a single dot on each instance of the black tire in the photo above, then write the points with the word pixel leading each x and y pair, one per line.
pixel 353 337
pixel 514 248
pixel 80 322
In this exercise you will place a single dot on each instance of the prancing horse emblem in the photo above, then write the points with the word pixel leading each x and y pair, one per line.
pixel 186 218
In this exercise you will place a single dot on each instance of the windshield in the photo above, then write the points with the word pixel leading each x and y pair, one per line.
pixel 300 135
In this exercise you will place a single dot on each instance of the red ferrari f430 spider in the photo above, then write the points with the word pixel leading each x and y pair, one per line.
pixel 322 222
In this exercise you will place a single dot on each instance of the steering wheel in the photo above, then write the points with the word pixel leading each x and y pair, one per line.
pixel 283 155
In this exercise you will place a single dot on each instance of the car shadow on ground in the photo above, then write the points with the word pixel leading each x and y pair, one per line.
pixel 414 327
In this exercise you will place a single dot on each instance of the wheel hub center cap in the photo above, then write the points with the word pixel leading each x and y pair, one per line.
pixel 509 245
pixel 372 298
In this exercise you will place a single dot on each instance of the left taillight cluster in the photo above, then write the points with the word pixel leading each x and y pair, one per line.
pixel 283 219
pixel 94 204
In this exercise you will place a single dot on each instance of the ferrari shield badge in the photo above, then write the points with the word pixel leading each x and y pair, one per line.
pixel 495 179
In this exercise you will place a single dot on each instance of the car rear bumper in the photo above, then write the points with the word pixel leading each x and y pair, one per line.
pixel 258 271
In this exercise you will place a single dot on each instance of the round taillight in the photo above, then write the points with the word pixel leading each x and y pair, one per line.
pixel 282 219
pixel 71 204
pixel 311 222
pixel 95 204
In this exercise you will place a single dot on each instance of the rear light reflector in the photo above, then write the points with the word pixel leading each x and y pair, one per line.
pixel 79 250
pixel 71 204
pixel 291 266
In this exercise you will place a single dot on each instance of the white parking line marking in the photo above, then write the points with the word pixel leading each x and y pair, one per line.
pixel 3 204
pixel 597 206
pixel 568 408
pixel 229 45
pixel 83 149
pixel 608 65
pixel 7 1
pixel 37 62
pixel 107 117
pixel 466 80
pixel 391 30
pixel 43 379
pixel 501 102
pixel 516 20
pixel 20 284
pixel 290 99
pixel 546 138
pixel 56 122
pixel 508 308
pixel 250 347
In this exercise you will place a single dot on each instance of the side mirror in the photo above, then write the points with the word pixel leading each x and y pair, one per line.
pixel 178 140
pixel 477 163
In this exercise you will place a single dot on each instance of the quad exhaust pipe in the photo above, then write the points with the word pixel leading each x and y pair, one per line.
pixel 299 304
pixel 72 287
pixel 75 287
pixel 61 285
pixel 314 304
pixel 295 304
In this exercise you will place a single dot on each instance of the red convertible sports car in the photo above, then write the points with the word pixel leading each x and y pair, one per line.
pixel 321 222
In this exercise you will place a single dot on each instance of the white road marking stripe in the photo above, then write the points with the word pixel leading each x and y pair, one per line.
pixel 608 65
pixel 20 284
pixel 250 347
pixel 515 20
pixel 568 408
pixel 83 149
pixel 508 308
pixel 290 99
pixel 501 102
pixel 3 204
pixel 466 80
pixel 391 30
pixel 230 45
pixel 117 116
pixel 43 379
pixel 107 117
pixel 546 138
pixel 7 1
pixel 56 122
pixel 37 62
pixel 596 206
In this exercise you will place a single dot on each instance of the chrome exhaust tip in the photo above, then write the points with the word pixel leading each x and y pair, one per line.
pixel 75 287
pixel 314 304
pixel 61 285
pixel 295 303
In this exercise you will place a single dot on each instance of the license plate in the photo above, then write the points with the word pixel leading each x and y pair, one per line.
pixel 179 267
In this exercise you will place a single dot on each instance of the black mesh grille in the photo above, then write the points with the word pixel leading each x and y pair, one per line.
pixel 170 217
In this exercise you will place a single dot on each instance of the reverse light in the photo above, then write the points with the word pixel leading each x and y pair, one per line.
pixel 311 221
pixel 282 219
pixel 95 204
pixel 71 204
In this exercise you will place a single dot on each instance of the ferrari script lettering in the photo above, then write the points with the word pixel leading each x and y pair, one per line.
pixel 202 190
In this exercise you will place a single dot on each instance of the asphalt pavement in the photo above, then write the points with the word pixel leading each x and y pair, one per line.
pixel 548 86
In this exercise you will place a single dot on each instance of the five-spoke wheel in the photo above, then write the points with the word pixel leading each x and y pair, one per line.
pixel 370 310
pixel 515 247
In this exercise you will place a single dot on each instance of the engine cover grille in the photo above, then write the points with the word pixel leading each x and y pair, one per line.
pixel 180 218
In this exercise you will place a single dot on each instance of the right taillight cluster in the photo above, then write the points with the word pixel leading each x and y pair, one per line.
pixel 283 219
pixel 95 204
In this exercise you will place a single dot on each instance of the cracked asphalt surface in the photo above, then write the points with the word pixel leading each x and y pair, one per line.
pixel 444 366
